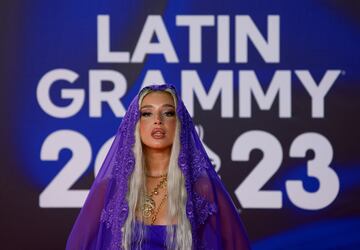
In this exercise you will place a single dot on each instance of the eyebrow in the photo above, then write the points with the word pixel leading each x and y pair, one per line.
pixel 151 106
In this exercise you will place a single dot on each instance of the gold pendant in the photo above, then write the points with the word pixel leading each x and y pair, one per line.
pixel 149 207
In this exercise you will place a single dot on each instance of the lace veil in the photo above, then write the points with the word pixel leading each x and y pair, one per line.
pixel 214 220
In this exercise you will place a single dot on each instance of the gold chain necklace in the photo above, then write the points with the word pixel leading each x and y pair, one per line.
pixel 153 218
pixel 148 209
pixel 156 176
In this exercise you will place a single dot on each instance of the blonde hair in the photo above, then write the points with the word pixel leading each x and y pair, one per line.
pixel 181 237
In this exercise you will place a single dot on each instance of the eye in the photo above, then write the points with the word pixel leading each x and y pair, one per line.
pixel 169 113
pixel 145 114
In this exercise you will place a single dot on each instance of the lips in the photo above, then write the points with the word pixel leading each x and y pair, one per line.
pixel 158 133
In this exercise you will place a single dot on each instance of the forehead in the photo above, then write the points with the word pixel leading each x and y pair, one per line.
pixel 157 98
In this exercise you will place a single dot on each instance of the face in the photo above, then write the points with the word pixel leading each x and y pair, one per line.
pixel 158 120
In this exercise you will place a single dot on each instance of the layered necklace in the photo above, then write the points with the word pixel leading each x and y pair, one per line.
pixel 149 209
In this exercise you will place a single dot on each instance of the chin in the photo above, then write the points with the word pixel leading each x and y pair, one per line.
pixel 157 146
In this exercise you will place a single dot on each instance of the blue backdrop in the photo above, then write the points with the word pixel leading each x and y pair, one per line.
pixel 273 87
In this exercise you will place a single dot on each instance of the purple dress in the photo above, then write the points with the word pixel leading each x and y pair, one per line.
pixel 154 239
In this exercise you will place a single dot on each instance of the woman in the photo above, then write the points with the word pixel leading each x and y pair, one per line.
pixel 157 188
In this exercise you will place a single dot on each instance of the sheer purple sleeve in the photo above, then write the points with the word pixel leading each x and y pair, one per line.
pixel 86 232
pixel 83 234
pixel 222 229
pixel 98 225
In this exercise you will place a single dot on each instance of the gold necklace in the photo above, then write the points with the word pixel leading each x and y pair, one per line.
pixel 153 218
pixel 156 176
pixel 148 209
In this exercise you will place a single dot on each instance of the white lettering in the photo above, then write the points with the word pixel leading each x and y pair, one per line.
pixel 317 92
pixel 43 94
pixel 154 25
pixel 97 96
pixel 222 84
pixel 280 83
pixel 246 28
pixel 103 40
pixel 195 24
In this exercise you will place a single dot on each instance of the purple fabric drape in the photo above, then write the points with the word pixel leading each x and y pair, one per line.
pixel 214 220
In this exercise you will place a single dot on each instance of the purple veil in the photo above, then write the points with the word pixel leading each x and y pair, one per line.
pixel 215 223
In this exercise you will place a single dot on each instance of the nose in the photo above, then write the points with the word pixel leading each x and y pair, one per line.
pixel 158 119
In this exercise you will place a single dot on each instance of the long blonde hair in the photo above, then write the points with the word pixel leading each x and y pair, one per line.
pixel 181 237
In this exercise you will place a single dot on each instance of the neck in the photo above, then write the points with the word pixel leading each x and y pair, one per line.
pixel 156 161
